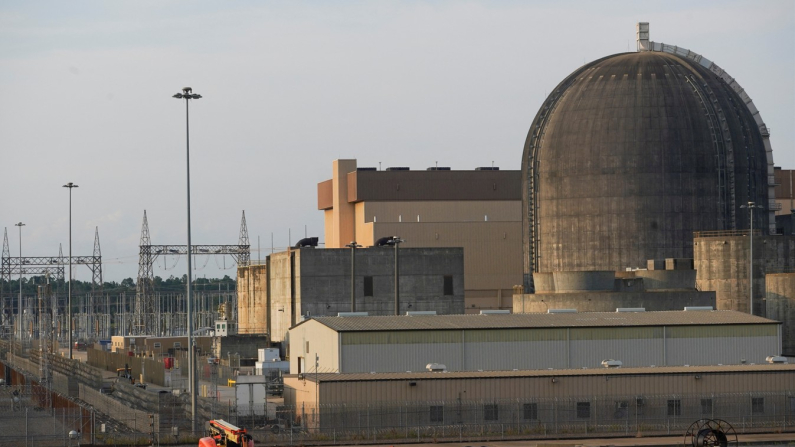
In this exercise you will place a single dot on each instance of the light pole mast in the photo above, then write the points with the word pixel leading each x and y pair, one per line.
pixel 751 206
pixel 187 94
pixel 71 186
pixel 353 246
pixel 19 300
pixel 396 240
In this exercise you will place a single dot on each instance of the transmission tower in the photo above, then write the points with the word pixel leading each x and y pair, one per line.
pixel 245 258
pixel 5 316
pixel 52 266
pixel 144 318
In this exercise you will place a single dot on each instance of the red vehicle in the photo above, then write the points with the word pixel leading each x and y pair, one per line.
pixel 224 434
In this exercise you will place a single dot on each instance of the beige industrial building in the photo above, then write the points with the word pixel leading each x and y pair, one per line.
pixel 784 196
pixel 311 282
pixel 618 401
pixel 500 342
pixel 479 210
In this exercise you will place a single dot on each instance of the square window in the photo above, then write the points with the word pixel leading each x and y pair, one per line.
pixel 583 410
pixel 757 405
pixel 437 413
pixel 674 407
pixel 706 406
pixel 368 286
pixel 448 285
pixel 531 412
pixel 490 412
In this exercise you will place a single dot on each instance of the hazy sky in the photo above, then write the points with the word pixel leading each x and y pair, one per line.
pixel 85 96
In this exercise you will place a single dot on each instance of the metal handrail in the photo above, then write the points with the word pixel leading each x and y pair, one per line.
pixel 724 233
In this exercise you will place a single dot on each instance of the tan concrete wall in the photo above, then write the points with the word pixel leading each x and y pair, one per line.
pixel 364 229
pixel 785 190
pixel 252 299
pixel 492 250
pixel 781 307
pixel 342 222
pixel 322 341
pixel 610 301
pixel 723 263
pixel 205 344
pixel 283 310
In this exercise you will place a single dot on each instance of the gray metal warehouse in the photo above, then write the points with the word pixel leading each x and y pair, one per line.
pixel 505 342
pixel 609 401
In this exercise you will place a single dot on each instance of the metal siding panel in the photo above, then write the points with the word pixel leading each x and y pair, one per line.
pixel 400 337
pixel 632 353
pixel 616 333
pixel 400 357
pixel 514 335
pixel 726 330
pixel 729 350
pixel 506 356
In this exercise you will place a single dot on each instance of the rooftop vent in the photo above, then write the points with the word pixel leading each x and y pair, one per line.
pixel 436 367
pixel 631 309
pixel 777 359
pixel 488 168
pixel 352 314
pixel 697 308
pixel 610 363
pixel 307 242
pixel 561 311
pixel 366 169
pixel 412 313
pixel 397 168
pixel 642 31
pixel 495 311
pixel 438 168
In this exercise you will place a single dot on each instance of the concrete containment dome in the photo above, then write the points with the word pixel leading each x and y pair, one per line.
pixel 631 154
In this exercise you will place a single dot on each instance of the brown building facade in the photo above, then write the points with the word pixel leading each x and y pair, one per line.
pixel 479 210
pixel 785 199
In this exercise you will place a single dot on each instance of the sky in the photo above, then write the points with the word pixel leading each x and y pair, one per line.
pixel 86 97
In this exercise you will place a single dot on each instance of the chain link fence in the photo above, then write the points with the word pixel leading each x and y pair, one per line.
pixel 515 419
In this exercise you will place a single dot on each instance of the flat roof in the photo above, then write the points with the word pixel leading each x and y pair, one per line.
pixel 427 375
pixel 537 320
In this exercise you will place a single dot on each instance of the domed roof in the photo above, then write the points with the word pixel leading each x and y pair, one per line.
pixel 629 156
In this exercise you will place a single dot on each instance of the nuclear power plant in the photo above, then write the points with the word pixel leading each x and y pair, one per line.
pixel 632 153
pixel 651 160
pixel 636 275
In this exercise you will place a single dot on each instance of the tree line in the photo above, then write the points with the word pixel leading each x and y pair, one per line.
pixel 170 284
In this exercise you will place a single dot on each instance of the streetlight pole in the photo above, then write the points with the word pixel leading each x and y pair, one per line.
pixel 187 94
pixel 71 186
pixel 353 246
pixel 751 206
pixel 19 300
pixel 396 240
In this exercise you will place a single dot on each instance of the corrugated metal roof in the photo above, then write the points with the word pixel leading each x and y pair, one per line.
pixel 425 375
pixel 538 320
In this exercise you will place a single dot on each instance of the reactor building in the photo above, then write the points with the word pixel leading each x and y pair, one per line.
pixel 633 153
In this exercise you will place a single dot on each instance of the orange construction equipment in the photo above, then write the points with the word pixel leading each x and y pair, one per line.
pixel 224 434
